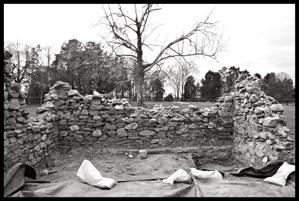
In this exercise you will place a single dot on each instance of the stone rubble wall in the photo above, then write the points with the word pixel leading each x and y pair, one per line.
pixel 25 141
pixel 246 125
pixel 260 132
pixel 99 121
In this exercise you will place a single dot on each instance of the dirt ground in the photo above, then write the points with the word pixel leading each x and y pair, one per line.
pixel 122 168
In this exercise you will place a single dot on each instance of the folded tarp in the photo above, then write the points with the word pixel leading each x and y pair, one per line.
pixel 229 187
pixel 280 177
pixel 201 174
pixel 90 175
pixel 267 171
pixel 15 177
pixel 263 172
pixel 73 188
pixel 179 176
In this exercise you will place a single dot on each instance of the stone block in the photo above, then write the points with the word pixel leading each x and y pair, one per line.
pixel 14 104
pixel 253 98
pixel 228 99
pixel 42 145
pixel 265 159
pixel 165 142
pixel 121 132
pixel 276 108
pixel 153 120
pixel 164 128
pixel 155 141
pixel 282 130
pixel 97 118
pixel 63 122
pixel 73 93
pixel 109 127
pixel 147 133
pixel 74 128
pixel 83 117
pixel 259 110
pixel 270 122
pixel 63 133
pixel 131 126
pixel 264 135
pixel 111 133
pixel 37 148
pixel 162 120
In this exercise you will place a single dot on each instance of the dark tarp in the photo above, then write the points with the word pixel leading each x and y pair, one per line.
pixel 73 188
pixel 231 186
pixel 15 177
pixel 267 171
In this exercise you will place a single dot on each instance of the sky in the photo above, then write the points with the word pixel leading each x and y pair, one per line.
pixel 256 37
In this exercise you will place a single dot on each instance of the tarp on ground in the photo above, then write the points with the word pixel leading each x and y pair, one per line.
pixel 267 171
pixel 231 186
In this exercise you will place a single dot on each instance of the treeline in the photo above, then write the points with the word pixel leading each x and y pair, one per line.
pixel 86 66
pixel 214 84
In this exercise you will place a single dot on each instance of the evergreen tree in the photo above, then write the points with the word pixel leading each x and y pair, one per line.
pixel 157 90
pixel 211 85
pixel 189 88
pixel 276 88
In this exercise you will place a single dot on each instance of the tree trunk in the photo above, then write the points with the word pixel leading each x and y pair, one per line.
pixel 140 83
pixel 140 68
pixel 130 91
pixel 41 93
pixel 90 87
pixel 122 93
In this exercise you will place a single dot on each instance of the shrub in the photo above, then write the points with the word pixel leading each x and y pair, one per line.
pixel 169 97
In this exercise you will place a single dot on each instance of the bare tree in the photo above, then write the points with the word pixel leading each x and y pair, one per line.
pixel 129 40
pixel 48 55
pixel 177 75
pixel 20 53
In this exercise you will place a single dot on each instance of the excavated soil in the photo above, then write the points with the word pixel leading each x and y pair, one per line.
pixel 117 165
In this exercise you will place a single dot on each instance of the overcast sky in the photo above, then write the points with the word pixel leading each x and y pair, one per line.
pixel 259 38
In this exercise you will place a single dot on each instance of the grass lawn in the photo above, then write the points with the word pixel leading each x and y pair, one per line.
pixel 289 112
pixel 150 104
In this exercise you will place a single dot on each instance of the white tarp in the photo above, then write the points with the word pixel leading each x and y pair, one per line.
pixel 201 174
pixel 89 174
pixel 178 176
pixel 281 175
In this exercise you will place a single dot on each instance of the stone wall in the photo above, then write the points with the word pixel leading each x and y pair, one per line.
pixel 260 132
pixel 99 121
pixel 245 125
pixel 24 141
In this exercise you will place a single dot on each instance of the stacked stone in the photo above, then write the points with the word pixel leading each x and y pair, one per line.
pixel 79 118
pixel 23 142
pixel 247 118
pixel 257 120
pixel 260 131
pixel 102 121
pixel 225 111
pixel 42 140
pixel 15 116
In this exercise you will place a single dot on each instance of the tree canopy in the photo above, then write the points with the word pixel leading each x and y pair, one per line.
pixel 211 85
pixel 128 38
pixel 279 89
pixel 190 88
